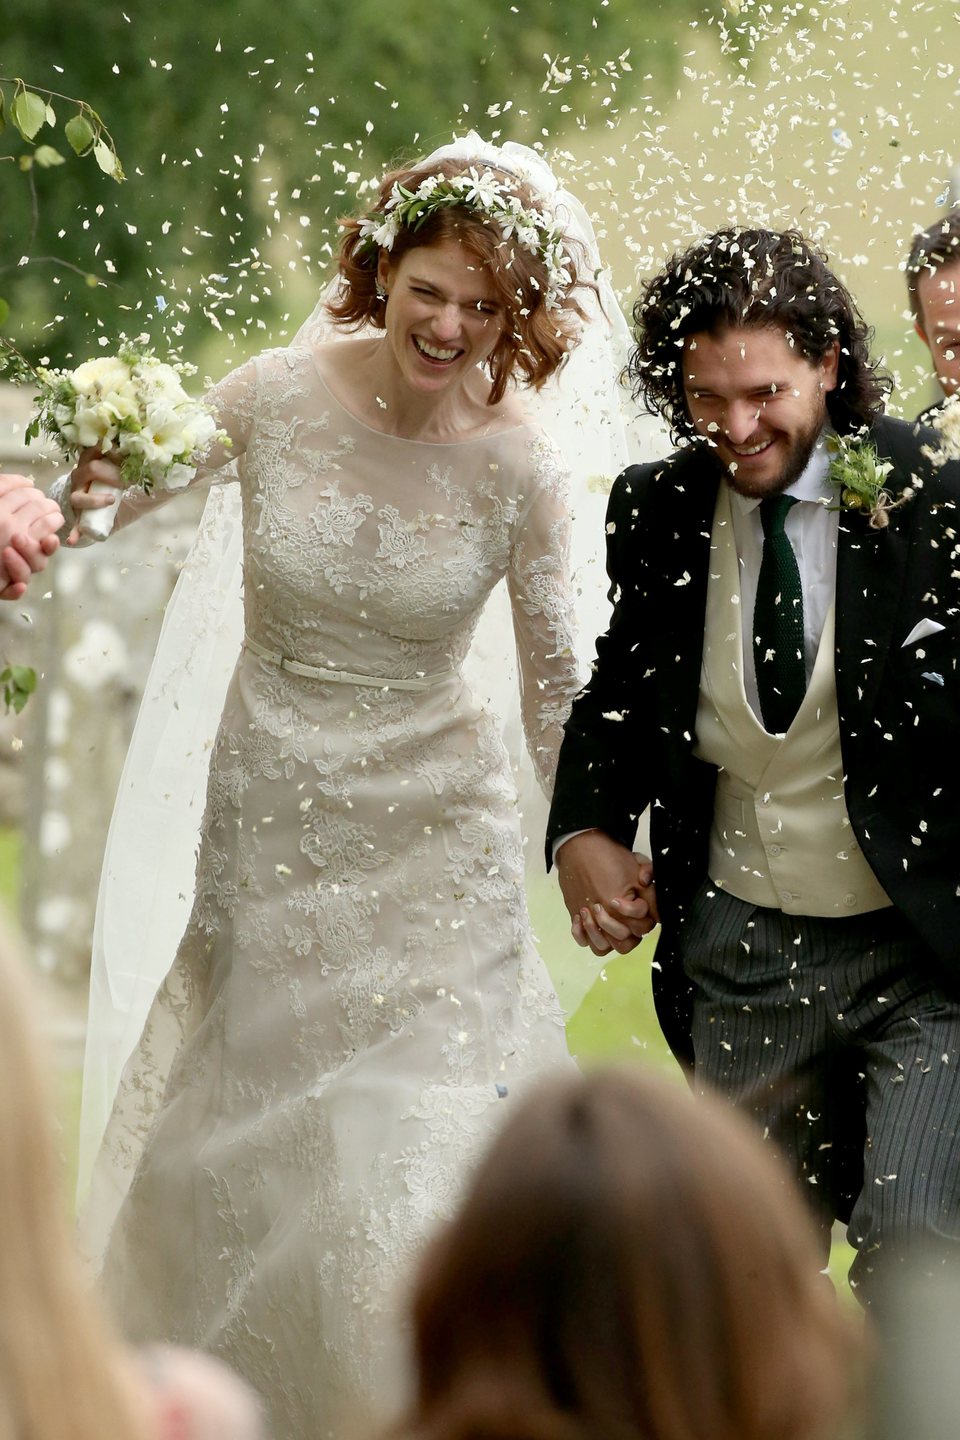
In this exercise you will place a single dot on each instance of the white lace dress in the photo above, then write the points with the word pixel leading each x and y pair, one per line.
pixel 357 996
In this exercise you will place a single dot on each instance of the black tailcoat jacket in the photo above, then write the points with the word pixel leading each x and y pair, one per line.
pixel 630 737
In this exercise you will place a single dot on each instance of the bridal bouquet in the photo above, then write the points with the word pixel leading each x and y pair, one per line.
pixel 134 407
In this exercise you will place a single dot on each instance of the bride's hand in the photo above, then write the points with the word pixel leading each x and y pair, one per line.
pixel 92 465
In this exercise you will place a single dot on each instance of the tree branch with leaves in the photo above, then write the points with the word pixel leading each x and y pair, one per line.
pixel 31 111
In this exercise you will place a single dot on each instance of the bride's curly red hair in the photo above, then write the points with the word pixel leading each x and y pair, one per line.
pixel 535 338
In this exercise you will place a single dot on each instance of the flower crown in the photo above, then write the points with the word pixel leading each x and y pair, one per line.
pixel 482 191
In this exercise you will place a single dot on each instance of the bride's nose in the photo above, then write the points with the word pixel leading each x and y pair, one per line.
pixel 447 322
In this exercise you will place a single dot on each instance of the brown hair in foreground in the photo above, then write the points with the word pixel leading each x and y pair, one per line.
pixel 63 1376
pixel 535 339
pixel 628 1264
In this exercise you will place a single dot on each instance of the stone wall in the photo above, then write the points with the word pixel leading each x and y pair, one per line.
pixel 88 625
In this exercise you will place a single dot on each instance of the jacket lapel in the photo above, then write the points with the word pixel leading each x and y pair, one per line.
pixel 686 501
pixel 871 567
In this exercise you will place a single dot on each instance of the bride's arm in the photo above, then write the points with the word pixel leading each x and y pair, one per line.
pixel 232 402
pixel 541 598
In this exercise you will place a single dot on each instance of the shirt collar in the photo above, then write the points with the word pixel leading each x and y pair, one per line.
pixel 812 484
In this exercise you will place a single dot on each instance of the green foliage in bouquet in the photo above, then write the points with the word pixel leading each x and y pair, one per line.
pixel 19 683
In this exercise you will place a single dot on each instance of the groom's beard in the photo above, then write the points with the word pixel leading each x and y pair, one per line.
pixel 794 463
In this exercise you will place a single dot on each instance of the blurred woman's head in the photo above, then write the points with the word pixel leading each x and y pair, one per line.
pixel 62 1374
pixel 628 1263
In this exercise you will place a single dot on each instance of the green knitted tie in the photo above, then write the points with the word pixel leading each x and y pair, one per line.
pixel 778 621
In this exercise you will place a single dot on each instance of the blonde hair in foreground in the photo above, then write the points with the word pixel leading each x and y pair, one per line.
pixel 629 1264
pixel 63 1376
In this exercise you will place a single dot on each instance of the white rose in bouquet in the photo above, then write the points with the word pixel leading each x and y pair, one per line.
pixel 105 376
pixel 135 405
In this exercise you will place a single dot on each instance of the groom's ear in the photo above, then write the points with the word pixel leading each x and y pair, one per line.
pixel 830 367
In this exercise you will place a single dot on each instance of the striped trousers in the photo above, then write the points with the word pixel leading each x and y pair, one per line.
pixel 842 1038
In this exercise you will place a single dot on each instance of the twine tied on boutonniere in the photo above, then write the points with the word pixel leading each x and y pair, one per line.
pixel 858 474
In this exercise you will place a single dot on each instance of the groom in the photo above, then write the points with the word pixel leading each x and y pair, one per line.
pixel 780 684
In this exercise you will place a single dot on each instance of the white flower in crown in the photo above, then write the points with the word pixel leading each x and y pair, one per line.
pixel 529 237
pixel 534 229
pixel 381 231
pixel 484 191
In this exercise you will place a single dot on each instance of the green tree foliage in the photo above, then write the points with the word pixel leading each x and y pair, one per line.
pixel 34 122
pixel 247 128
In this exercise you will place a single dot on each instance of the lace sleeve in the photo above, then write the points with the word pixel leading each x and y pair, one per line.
pixel 541 599
pixel 233 403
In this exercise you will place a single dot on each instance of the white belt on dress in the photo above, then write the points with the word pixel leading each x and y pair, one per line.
pixel 343 677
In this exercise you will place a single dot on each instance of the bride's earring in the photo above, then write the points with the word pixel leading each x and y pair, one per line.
pixel 381 292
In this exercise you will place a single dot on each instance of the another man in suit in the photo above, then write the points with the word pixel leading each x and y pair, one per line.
pixel 780 684
pixel 933 285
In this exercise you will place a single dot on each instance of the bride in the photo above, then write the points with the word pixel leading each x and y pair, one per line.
pixel 357 993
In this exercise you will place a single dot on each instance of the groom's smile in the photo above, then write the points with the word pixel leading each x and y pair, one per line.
pixel 758 401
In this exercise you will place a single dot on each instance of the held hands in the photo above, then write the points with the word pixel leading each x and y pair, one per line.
pixel 92 466
pixel 29 522
pixel 608 891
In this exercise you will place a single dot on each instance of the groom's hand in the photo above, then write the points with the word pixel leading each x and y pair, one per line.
pixel 608 891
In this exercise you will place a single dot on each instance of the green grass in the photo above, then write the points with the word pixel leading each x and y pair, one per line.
pixel 9 869
pixel 614 1019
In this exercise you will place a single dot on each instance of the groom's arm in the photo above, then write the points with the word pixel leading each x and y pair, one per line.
pixel 601 781
pixel 601 787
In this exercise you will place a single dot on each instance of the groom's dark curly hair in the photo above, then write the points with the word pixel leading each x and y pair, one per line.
pixel 752 279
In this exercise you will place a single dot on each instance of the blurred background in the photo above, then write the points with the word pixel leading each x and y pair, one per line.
pixel 243 131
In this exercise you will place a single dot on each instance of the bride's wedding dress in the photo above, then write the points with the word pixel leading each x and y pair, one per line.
pixel 357 995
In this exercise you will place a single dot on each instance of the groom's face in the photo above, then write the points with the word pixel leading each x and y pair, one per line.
pixel 759 402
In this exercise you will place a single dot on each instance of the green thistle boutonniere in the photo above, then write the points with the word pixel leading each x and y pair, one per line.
pixel 858 474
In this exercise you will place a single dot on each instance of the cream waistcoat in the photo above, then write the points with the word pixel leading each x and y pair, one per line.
pixel 781 835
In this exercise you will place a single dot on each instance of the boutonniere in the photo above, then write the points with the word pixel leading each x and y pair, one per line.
pixel 858 475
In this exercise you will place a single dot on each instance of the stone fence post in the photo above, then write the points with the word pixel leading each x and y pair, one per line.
pixel 88 625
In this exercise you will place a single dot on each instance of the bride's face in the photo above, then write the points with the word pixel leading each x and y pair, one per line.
pixel 443 316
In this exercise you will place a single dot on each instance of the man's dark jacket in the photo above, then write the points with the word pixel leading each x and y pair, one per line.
pixel 927 417
pixel 630 738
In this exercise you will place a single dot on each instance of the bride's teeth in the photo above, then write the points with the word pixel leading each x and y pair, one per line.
pixel 434 352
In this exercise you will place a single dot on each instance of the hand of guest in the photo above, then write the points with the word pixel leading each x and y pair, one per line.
pixel 29 522
pixel 608 892
pixel 92 465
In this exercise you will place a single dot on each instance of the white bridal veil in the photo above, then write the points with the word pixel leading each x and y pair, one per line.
pixel 147 881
